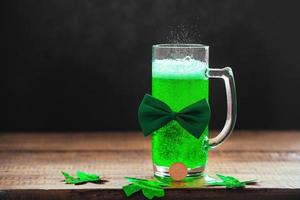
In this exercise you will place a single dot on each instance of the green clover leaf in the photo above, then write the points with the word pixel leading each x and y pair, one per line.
pixel 230 182
pixel 150 188
pixel 82 177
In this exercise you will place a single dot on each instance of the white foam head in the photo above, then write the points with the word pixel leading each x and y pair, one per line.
pixel 179 68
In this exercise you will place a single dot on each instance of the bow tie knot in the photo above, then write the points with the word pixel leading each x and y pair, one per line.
pixel 154 114
pixel 173 115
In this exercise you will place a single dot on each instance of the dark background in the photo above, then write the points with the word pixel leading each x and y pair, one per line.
pixel 84 65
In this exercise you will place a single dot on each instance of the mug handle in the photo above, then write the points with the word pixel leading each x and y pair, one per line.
pixel 227 75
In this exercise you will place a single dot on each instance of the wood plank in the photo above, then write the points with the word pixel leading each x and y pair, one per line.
pixel 73 141
pixel 30 165
pixel 42 170
pixel 238 141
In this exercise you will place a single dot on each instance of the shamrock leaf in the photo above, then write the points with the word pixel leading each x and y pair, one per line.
pixel 146 182
pixel 82 177
pixel 131 189
pixel 70 179
pixel 87 177
pixel 67 176
pixel 150 188
pixel 230 182
pixel 150 194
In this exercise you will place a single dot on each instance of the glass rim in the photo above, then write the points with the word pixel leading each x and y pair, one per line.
pixel 181 46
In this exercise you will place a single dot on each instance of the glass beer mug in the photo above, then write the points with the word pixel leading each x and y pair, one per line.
pixel 180 76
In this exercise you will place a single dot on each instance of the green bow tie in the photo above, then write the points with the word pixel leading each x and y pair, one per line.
pixel 154 114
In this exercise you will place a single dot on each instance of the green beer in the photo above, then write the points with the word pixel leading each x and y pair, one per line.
pixel 180 76
pixel 179 83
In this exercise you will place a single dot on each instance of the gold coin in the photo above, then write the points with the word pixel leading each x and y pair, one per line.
pixel 178 171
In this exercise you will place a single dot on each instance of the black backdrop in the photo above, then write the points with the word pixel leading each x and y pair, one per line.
pixel 84 65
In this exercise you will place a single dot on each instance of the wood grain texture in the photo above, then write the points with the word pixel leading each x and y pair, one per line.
pixel 30 165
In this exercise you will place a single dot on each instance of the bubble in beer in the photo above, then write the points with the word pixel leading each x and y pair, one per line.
pixel 179 68
pixel 188 58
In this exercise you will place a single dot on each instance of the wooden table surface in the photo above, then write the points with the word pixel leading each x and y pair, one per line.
pixel 30 165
